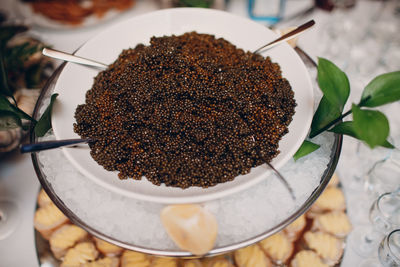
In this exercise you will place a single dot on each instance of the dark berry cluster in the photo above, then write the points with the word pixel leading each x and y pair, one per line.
pixel 188 110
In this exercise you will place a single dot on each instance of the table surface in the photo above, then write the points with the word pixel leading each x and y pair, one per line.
pixel 18 181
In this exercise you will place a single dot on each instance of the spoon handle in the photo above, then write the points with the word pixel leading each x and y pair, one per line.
pixel 292 34
pixel 72 58
pixel 28 148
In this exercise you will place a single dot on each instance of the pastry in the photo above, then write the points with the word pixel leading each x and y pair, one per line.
pixel 164 262
pixel 47 219
pixel 192 263
pixel 334 180
pixel 191 227
pixel 278 247
pixel 220 262
pixel 134 259
pixel 307 258
pixel 331 199
pixel 251 256
pixel 334 222
pixel 104 262
pixel 294 229
pixel 64 238
pixel 328 247
pixel 43 199
pixel 80 254
pixel 208 261
pixel 106 248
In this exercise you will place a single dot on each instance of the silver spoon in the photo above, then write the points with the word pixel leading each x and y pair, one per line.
pixel 72 58
pixel 292 34
pixel 89 62
pixel 44 145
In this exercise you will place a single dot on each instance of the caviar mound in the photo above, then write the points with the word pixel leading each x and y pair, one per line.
pixel 188 110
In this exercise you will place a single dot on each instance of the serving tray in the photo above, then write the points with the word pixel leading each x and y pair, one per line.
pixel 244 218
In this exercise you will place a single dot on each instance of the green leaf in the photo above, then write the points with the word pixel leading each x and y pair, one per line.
pixel 333 83
pixel 347 128
pixel 4 88
pixel 33 75
pixel 382 90
pixel 5 105
pixel 196 3
pixel 44 123
pixel 326 112
pixel 387 144
pixel 16 56
pixel 306 148
pixel 9 120
pixel 8 32
pixel 370 126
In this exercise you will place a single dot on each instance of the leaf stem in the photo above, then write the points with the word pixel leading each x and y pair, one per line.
pixel 326 127
pixel 26 116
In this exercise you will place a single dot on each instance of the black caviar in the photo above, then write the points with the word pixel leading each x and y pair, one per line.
pixel 188 110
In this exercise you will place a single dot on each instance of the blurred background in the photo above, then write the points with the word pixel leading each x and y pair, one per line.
pixel 360 36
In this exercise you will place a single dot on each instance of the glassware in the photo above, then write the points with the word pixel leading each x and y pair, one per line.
pixel 9 218
pixel 270 11
pixel 370 263
pixel 384 216
pixel 389 249
pixel 384 176
pixel 366 160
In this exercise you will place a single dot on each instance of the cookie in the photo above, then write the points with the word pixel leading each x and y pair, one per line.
pixel 294 230
pixel 80 254
pixel 335 222
pixel 164 262
pixel 47 219
pixel 278 247
pixel 134 259
pixel 328 247
pixel 331 199
pixel 251 256
pixel 307 258
pixel 43 199
pixel 107 248
pixel 104 262
pixel 64 238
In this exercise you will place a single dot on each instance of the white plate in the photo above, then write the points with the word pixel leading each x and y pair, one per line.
pixel 75 80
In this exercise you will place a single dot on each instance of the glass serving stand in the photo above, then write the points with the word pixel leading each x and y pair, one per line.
pixel 244 218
